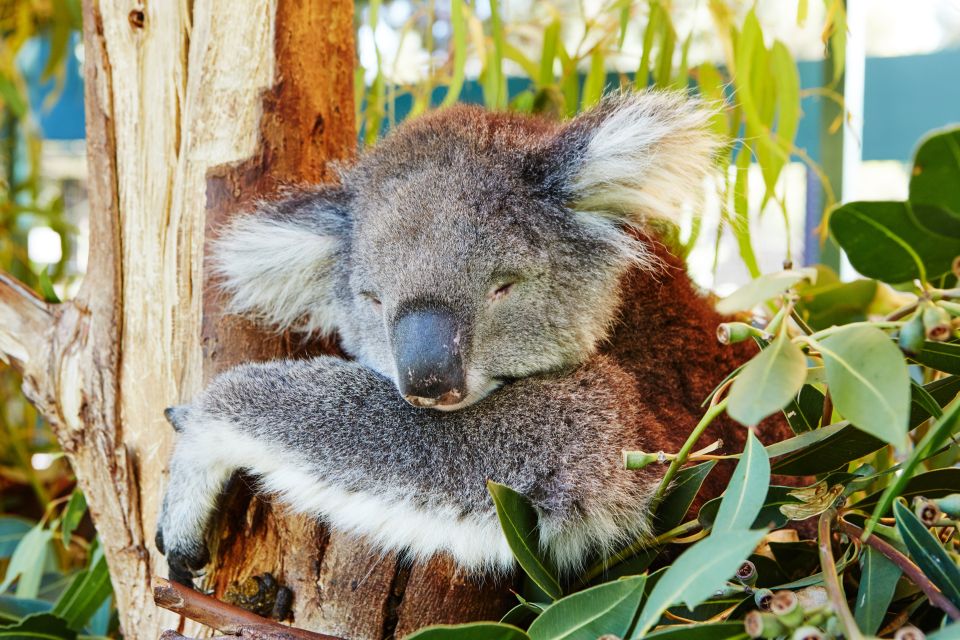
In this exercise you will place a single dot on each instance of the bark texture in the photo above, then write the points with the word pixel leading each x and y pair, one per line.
pixel 193 110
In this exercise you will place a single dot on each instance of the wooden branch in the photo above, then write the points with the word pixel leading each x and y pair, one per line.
pixel 26 323
pixel 912 571
pixel 222 616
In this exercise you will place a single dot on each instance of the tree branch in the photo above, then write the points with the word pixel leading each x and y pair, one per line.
pixel 224 617
pixel 26 323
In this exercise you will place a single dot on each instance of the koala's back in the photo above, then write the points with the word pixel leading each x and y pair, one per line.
pixel 665 338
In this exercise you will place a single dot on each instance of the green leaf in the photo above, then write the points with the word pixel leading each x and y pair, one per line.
pixel 471 631
pixel 718 631
pixel 868 382
pixel 927 552
pixel 769 515
pixel 596 77
pixel 745 494
pixel 27 562
pixel 944 428
pixel 40 626
pixel 72 515
pixel 89 589
pixel 519 522
pixel 894 241
pixel 683 490
pixel 787 82
pixel 740 225
pixel 12 530
pixel 942 356
pixel 459 24
pixel 12 97
pixel 768 382
pixel 697 574
pixel 936 171
pixel 549 52
pixel 806 410
pixel 764 288
pixel 606 608
pixel 832 302
pixel 878 580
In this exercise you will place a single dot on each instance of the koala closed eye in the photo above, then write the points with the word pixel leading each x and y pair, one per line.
pixel 608 347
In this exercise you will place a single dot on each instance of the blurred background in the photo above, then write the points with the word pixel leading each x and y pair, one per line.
pixel 839 95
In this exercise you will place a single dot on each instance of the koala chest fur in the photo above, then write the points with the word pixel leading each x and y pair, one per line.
pixel 510 318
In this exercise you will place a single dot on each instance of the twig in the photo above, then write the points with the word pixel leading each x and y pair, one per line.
pixel 225 617
pixel 830 578
pixel 912 571
pixel 675 464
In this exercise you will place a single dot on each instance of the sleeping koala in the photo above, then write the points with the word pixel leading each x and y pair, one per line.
pixel 511 317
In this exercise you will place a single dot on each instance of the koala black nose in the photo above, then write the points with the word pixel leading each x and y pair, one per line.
pixel 428 355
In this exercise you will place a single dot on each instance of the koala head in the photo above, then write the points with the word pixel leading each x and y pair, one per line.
pixel 470 247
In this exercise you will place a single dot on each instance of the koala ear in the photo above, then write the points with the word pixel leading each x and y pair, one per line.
pixel 284 263
pixel 637 157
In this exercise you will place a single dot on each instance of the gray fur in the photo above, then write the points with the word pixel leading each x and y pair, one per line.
pixel 446 210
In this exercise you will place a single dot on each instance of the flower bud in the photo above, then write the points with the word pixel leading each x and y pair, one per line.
pixel 733 332
pixel 747 573
pixel 786 606
pixel 927 511
pixel 762 598
pixel 912 334
pixel 638 459
pixel 953 308
pixel 807 632
pixel 950 505
pixel 936 323
pixel 908 632
pixel 760 624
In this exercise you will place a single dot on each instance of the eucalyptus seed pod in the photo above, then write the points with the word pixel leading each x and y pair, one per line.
pixel 912 334
pixel 760 624
pixel 936 323
pixel 608 636
pixel 908 632
pixel 951 307
pixel 927 511
pixel 813 598
pixel 807 632
pixel 747 573
pixel 786 606
pixel 733 332
pixel 762 598
pixel 638 459
pixel 950 505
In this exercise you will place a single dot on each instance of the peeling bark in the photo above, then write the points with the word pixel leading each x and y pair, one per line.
pixel 193 110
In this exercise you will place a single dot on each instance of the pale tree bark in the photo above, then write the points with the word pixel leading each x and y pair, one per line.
pixel 193 109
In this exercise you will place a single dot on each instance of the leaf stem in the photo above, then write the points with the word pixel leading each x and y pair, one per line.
pixel 831 579
pixel 712 412
pixel 912 571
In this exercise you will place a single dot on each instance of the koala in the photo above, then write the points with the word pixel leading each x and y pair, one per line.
pixel 510 314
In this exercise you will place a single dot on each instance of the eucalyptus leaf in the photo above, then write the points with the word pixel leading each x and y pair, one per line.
pixel 39 626
pixel 519 522
pixel 768 382
pixel 935 179
pixel 764 288
pixel 869 382
pixel 586 615
pixel 684 489
pixel 928 553
pixel 770 514
pixel 747 489
pixel 805 410
pixel 878 580
pixel 89 589
pixel 930 484
pixel 72 515
pixel 697 574
pixel 12 530
pixel 894 241
pixel 715 631
pixel 942 356
pixel 470 631
pixel 27 562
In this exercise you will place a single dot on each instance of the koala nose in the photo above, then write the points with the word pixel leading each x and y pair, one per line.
pixel 428 355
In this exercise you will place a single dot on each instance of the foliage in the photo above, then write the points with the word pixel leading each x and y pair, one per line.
pixel 875 449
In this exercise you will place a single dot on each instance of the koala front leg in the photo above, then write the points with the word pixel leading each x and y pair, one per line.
pixel 333 439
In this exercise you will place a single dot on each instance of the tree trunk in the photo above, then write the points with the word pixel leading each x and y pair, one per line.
pixel 193 109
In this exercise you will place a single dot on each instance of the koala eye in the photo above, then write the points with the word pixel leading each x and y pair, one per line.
pixel 501 291
pixel 373 300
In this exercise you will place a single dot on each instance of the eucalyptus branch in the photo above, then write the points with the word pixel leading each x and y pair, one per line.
pixel 912 571
pixel 831 579
pixel 225 617
pixel 712 412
